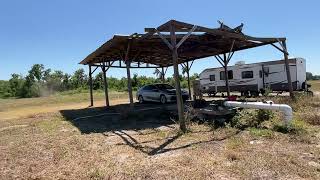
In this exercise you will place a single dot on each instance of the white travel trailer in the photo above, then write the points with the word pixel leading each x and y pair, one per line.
pixel 255 78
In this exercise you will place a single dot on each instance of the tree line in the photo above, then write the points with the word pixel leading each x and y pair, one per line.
pixel 310 76
pixel 40 81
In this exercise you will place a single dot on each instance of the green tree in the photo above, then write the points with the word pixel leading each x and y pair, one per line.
pixel 66 84
pixel 29 88
pixel 79 79
pixel 15 84
pixel 98 81
pixel 309 76
pixel 5 90
pixel 54 81
pixel 36 71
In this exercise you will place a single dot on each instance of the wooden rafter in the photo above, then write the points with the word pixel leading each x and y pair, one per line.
pixel 194 42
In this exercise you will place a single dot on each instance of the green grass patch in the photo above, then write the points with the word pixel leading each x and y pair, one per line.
pixel 257 132
pixel 297 126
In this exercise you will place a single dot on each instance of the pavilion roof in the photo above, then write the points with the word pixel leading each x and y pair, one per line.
pixel 150 48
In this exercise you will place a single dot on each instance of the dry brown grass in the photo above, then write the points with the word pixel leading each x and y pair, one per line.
pixel 315 85
pixel 53 148
pixel 305 107
pixel 47 146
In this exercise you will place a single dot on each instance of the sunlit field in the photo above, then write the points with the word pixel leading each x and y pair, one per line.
pixel 315 85
pixel 59 137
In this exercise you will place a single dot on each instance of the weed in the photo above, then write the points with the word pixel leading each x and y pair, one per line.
pixel 261 132
pixel 96 174
pixel 162 134
pixel 295 127
pixel 234 143
pixel 232 155
pixel 267 91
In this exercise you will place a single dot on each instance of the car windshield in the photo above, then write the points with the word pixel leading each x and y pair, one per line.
pixel 164 86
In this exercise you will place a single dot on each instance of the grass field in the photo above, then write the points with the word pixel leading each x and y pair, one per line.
pixel 15 108
pixel 43 138
pixel 315 85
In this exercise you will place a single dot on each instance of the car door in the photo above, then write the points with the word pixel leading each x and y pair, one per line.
pixel 146 93
pixel 154 93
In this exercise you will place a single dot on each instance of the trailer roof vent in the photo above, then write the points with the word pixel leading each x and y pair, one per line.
pixel 240 63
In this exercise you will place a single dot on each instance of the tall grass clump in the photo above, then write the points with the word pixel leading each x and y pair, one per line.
pixel 305 107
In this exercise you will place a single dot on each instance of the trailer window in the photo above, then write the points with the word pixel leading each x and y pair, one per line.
pixel 266 71
pixel 260 74
pixel 222 75
pixel 212 77
pixel 230 74
pixel 247 74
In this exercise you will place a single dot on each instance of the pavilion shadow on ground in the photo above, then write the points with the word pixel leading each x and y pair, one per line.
pixel 120 117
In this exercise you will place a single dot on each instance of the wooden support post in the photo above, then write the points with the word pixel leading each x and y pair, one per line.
pixel 90 86
pixel 105 84
pixel 182 122
pixel 188 77
pixel 127 61
pixel 286 60
pixel 162 75
pixel 129 83
pixel 225 61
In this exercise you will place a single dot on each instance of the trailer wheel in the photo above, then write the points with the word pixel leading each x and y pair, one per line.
pixel 246 93
pixel 254 93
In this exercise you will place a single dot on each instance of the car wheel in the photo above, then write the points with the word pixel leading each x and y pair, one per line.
pixel 163 99
pixel 140 98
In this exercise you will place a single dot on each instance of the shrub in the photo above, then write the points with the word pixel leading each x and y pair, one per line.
pixel 251 118
pixel 264 115
pixel 297 126
pixel 267 91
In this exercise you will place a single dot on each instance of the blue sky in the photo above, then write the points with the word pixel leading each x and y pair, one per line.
pixel 60 33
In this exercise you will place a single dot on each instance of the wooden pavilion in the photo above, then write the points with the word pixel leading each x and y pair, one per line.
pixel 171 44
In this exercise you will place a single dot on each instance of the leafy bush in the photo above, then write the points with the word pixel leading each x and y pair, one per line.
pixel 297 126
pixel 264 115
pixel 251 118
